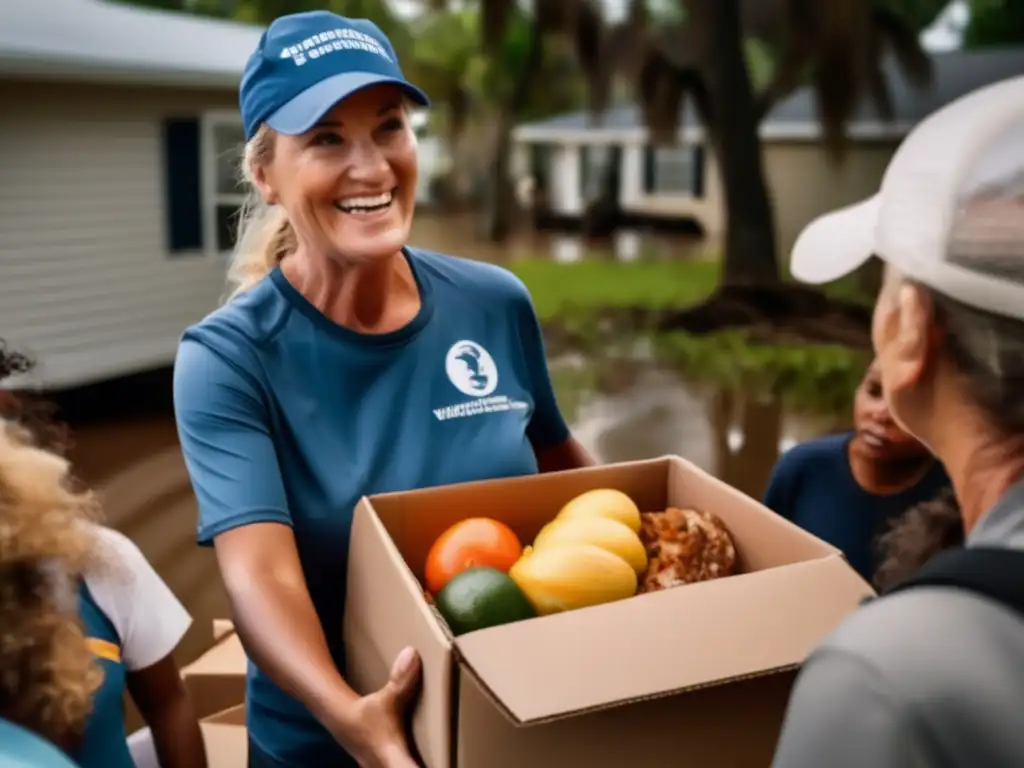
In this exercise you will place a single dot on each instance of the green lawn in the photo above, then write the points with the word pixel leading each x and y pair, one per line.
pixel 598 284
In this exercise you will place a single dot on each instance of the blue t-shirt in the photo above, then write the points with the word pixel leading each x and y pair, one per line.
pixel 20 748
pixel 813 486
pixel 104 743
pixel 287 417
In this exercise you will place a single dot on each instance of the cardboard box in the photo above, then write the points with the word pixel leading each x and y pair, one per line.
pixel 222 628
pixel 698 675
pixel 227 743
pixel 216 680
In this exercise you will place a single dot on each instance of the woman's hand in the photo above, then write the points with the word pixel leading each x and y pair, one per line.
pixel 374 727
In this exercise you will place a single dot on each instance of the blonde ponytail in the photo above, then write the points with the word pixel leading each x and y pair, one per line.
pixel 265 236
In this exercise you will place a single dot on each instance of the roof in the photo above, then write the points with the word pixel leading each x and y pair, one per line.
pixel 956 74
pixel 99 41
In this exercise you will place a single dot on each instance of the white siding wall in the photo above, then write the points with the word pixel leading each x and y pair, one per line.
pixel 86 284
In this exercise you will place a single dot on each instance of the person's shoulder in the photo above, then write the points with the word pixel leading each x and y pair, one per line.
pixel 481 278
pixel 251 317
pixel 116 546
pixel 121 564
pixel 811 453
pixel 821 449
pixel 235 332
pixel 21 748
pixel 915 640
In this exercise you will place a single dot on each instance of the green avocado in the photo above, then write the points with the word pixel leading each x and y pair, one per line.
pixel 482 597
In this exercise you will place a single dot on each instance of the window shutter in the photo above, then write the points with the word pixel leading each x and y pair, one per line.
pixel 649 160
pixel 183 176
pixel 698 170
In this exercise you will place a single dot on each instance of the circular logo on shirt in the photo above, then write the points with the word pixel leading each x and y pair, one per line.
pixel 471 369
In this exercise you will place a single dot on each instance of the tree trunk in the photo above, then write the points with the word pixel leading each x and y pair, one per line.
pixel 750 247
pixel 501 202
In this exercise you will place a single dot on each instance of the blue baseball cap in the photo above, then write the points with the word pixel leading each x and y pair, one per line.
pixel 305 63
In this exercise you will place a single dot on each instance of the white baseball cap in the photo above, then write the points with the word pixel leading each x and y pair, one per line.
pixel 950 210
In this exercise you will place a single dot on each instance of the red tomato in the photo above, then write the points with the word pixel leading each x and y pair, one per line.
pixel 478 541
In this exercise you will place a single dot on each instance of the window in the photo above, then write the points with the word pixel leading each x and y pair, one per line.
pixel 596 160
pixel 224 142
pixel 183 176
pixel 203 193
pixel 675 170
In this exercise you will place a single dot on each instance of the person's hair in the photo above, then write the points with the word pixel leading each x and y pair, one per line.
pixel 33 413
pixel 47 673
pixel 265 236
pixel 986 349
pixel 915 536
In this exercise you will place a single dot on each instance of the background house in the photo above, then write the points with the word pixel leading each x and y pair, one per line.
pixel 664 185
pixel 119 144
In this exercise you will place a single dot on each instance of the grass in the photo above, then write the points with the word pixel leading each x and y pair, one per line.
pixel 811 377
pixel 817 378
pixel 589 285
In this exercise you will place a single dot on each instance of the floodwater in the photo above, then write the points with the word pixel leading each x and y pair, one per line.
pixel 644 411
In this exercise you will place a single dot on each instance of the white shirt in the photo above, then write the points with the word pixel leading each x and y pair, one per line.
pixel 149 619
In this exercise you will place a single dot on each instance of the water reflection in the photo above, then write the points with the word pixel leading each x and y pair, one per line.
pixel 655 412
pixel 457 234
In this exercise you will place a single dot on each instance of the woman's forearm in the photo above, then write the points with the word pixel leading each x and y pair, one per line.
pixel 281 633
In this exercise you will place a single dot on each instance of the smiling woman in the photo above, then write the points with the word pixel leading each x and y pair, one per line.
pixel 345 363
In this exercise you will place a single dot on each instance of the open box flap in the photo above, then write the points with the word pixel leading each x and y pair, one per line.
pixel 226 657
pixel 661 643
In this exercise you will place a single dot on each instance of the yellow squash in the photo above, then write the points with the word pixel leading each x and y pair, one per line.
pixel 570 576
pixel 603 502
pixel 603 532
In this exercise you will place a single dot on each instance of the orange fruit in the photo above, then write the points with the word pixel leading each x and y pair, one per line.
pixel 472 543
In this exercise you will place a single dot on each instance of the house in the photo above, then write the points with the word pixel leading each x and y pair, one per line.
pixel 668 185
pixel 117 147
pixel 119 144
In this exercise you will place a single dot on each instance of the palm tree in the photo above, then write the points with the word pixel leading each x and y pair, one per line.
pixel 835 46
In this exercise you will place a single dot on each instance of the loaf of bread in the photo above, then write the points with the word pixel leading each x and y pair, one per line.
pixel 685 546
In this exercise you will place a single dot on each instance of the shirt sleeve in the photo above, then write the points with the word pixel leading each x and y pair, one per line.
pixel 224 430
pixel 843 714
pixel 547 426
pixel 149 619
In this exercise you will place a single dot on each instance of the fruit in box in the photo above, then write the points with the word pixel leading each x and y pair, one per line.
pixel 603 502
pixel 478 541
pixel 478 598
pixel 604 532
pixel 570 576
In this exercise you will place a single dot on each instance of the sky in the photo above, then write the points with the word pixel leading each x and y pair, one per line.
pixel 945 34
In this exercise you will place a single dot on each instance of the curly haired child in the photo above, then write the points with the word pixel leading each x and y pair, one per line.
pixel 47 674
pixel 132 620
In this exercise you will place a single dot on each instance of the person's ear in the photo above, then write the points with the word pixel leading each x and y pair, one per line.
pixel 915 341
pixel 268 191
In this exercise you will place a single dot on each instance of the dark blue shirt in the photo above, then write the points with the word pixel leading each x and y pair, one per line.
pixel 287 417
pixel 813 486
